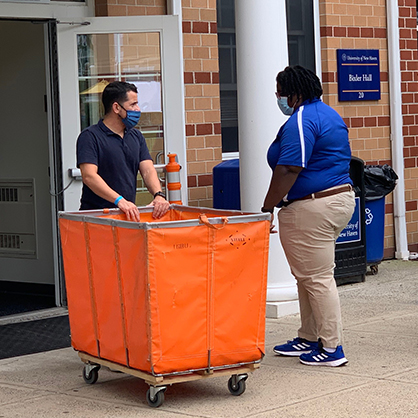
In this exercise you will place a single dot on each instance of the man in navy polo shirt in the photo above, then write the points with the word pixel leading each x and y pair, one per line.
pixel 110 153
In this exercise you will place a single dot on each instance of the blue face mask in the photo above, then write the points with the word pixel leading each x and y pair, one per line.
pixel 132 117
pixel 284 107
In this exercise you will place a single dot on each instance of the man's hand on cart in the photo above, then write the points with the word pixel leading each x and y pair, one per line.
pixel 161 206
pixel 129 209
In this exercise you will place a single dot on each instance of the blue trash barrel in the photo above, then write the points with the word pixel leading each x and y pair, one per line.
pixel 226 192
pixel 375 230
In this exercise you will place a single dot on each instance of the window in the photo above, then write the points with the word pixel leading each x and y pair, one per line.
pixel 300 33
pixel 301 46
pixel 227 74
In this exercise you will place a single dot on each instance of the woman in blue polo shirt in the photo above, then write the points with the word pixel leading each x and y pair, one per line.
pixel 310 160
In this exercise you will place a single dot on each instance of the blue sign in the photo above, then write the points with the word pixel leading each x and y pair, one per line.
pixel 358 74
pixel 352 232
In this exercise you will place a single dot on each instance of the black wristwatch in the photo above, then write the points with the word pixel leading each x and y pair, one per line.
pixel 263 209
pixel 160 194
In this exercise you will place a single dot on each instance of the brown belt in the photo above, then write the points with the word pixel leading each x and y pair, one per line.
pixel 324 193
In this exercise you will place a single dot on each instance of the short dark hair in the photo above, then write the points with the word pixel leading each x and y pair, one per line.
pixel 116 92
pixel 299 81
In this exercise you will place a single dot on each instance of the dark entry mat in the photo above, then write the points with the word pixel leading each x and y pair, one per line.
pixel 34 336
pixel 14 303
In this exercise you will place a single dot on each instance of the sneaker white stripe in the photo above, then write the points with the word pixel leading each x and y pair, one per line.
pixel 320 357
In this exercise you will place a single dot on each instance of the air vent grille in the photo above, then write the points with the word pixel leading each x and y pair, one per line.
pixel 9 194
pixel 11 241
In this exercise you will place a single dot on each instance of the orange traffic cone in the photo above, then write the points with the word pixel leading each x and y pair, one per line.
pixel 173 180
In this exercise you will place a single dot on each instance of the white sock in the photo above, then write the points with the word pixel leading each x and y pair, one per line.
pixel 330 350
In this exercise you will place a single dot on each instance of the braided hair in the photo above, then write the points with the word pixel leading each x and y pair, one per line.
pixel 299 81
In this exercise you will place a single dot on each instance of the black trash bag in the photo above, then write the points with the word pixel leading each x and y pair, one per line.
pixel 379 180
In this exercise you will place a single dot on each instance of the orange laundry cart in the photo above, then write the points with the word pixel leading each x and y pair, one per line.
pixel 168 300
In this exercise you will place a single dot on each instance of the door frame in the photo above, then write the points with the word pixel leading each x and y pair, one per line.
pixel 172 91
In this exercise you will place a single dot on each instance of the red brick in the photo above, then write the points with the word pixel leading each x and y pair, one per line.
pixel 213 27
pixel 405 33
pixel 370 122
pixel 409 23
pixel 340 32
pixel 202 78
pixel 389 208
pixel 411 205
pixel 408 98
pixel 188 78
pixel 410 162
pixel 217 128
pixel 347 122
pixel 406 76
pixel 406 55
pixel 404 12
pixel 215 78
pixel 379 33
pixel 384 76
pixel 328 77
pixel 408 141
pixel 413 109
pixel 326 31
pixel 191 181
pixel 412 65
pixel 204 180
pixel 357 122
pixel 366 32
pixel 200 27
pixel 408 120
pixel 413 151
pixel 383 121
pixel 353 32
pixel 412 87
pixel 190 130
pixel 187 27
pixel 413 130
pixel 204 129
pixel 388 162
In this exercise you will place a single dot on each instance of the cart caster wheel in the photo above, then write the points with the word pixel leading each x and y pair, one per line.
pixel 236 384
pixel 155 396
pixel 374 269
pixel 91 374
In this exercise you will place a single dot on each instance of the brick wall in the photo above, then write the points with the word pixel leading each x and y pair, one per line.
pixel 353 24
pixel 201 77
pixel 130 7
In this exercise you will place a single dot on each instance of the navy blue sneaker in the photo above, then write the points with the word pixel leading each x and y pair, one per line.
pixel 320 357
pixel 296 347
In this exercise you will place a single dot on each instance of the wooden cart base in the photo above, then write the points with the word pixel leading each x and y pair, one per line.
pixel 158 384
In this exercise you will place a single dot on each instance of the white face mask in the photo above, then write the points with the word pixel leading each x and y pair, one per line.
pixel 284 107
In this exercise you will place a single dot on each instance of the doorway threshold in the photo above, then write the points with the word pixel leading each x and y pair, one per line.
pixel 33 316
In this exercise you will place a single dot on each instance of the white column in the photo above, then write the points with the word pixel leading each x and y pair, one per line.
pixel 261 41
pixel 396 136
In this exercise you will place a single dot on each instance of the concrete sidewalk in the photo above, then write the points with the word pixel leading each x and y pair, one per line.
pixel 381 379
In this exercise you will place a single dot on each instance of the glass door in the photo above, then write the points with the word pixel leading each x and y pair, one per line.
pixel 140 56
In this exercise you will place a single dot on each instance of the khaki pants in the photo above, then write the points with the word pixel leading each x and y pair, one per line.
pixel 308 230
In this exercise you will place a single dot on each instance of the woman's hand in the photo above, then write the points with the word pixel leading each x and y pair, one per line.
pixel 272 226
